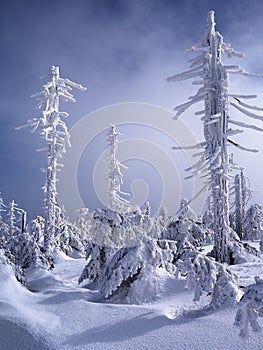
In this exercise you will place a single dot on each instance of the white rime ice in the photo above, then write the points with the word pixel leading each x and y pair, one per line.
pixel 116 200
pixel 54 130
pixel 212 75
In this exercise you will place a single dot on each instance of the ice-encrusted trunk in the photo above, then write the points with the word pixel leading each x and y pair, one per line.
pixel 50 188
pixel 215 132
pixel 23 221
pixel 214 162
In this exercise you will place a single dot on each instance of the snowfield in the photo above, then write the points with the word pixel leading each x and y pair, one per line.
pixel 58 314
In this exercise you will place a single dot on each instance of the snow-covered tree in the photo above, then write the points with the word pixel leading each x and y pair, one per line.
pixel 133 274
pixel 3 226
pixel 239 204
pixel 111 231
pixel 185 212
pixel 69 239
pixel 17 270
pixel 243 194
pixel 117 202
pixel 226 291
pixel 205 275
pixel 83 223
pixel 24 246
pixel 185 229
pixel 26 252
pixel 246 191
pixel 253 223
pixel 35 228
pixel 208 221
pixel 212 75
pixel 12 219
pixel 55 133
pixel 2 207
pixel 200 272
pixel 97 257
pixel 250 308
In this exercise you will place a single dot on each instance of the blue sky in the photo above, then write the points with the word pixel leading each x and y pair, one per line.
pixel 123 51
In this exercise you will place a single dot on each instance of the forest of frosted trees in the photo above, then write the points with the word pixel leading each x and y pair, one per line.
pixel 126 248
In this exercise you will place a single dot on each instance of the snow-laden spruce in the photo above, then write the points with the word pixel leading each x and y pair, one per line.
pixel 111 231
pixel 253 223
pixel 185 228
pixel 242 194
pixel 20 244
pixel 134 273
pixel 205 275
pixel 212 74
pixel 97 256
pixel 83 223
pixel 250 308
pixel 70 240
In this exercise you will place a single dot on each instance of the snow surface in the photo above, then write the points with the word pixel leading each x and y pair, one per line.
pixel 58 314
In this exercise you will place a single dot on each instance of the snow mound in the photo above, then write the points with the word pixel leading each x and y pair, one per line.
pixel 22 322
pixel 12 334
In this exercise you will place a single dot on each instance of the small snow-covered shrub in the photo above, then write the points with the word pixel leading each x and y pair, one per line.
pixel 83 223
pixel 35 228
pixel 3 234
pixel 200 271
pixel 8 259
pixel 250 308
pixel 186 228
pixel 226 291
pixel 25 252
pixel 205 275
pixel 69 240
pixel 237 252
pixel 111 230
pixel 98 257
pixel 138 266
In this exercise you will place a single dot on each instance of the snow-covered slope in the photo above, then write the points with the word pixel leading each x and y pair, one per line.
pixel 60 315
